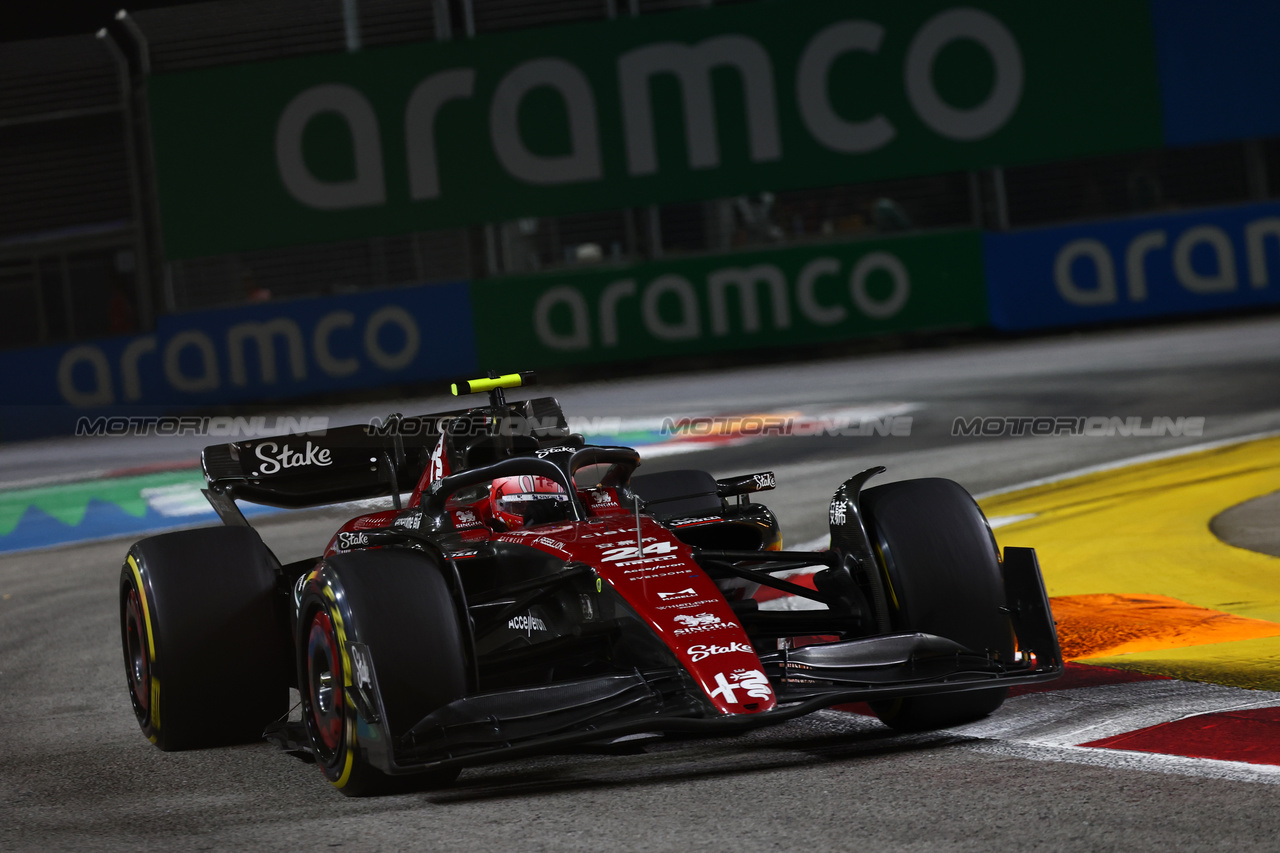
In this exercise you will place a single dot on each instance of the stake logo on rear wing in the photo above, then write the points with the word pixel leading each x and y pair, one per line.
pixel 344 464
pixel 746 484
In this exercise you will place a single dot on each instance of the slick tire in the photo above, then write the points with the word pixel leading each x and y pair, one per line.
pixel 943 571
pixel 397 605
pixel 206 647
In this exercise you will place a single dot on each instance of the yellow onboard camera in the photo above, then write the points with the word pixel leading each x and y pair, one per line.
pixel 494 385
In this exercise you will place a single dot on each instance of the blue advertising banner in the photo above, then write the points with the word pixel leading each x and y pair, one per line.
pixel 1177 263
pixel 1219 69
pixel 261 352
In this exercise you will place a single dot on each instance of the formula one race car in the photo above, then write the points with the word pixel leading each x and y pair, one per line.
pixel 532 594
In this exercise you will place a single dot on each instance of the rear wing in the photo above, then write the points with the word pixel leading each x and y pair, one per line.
pixel 357 462
pixel 344 464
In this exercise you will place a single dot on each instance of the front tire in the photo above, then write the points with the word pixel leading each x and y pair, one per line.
pixel 943 577
pixel 205 646
pixel 398 606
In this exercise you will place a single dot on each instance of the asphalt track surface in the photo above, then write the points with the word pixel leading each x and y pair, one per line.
pixel 78 775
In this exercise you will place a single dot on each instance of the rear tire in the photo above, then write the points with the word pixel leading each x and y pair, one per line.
pixel 943 577
pixel 205 646
pixel 399 606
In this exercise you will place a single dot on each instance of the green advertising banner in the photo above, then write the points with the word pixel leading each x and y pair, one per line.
pixel 746 300
pixel 705 103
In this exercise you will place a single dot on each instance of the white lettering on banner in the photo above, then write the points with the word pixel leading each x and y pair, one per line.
pixel 965 125
pixel 395 316
pixel 1223 279
pixel 579 336
pixel 420 121
pixel 102 392
pixel 263 335
pixel 1135 262
pixel 1105 272
pixel 762 293
pixel 129 365
pixel 367 187
pixel 582 163
pixel 892 304
pixel 814 97
pixel 1255 233
pixel 693 67
pixel 819 315
pixel 208 380
pixel 1202 262
pixel 335 367
pixel 275 458
pixel 609 299
pixel 688 327
pixel 744 280
pixel 190 359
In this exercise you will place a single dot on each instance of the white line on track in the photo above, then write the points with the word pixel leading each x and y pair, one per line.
pixel 1083 714
pixel 1050 726
pixel 1119 759
pixel 1124 463
pixel 997 521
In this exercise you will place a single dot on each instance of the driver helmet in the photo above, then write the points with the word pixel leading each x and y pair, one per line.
pixel 519 501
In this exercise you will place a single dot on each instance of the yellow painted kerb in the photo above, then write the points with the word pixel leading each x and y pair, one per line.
pixel 1144 529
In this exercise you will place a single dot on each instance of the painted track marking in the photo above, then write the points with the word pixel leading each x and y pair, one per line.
pixel 1142 531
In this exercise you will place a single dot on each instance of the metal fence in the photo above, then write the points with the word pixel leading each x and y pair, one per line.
pixel 69 235
pixel 78 215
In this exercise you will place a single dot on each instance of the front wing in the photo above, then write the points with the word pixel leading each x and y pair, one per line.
pixel 498 726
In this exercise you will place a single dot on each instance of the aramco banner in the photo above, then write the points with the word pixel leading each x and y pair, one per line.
pixel 704 103
pixel 1190 262
pixel 744 301
pixel 252 353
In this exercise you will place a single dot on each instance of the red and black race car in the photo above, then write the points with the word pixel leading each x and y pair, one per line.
pixel 533 593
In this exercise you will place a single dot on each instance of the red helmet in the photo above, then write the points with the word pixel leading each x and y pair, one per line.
pixel 519 501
